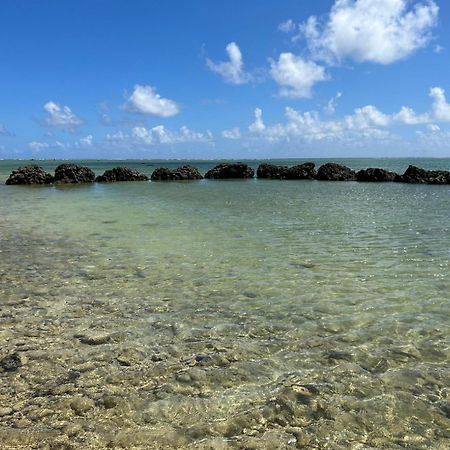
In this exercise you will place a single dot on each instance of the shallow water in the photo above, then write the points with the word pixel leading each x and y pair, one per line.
pixel 225 314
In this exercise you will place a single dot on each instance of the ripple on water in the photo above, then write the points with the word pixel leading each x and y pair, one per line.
pixel 244 315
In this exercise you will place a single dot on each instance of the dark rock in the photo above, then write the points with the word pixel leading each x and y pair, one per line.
pixel 29 175
pixel 237 170
pixel 272 171
pixel 335 172
pixel 300 172
pixel 121 174
pixel 415 174
pixel 304 171
pixel 181 173
pixel 374 174
pixel 71 173
pixel 10 363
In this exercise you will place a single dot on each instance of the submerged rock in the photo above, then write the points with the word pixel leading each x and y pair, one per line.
pixel 121 174
pixel 71 173
pixel 29 175
pixel 335 172
pixel 415 174
pixel 10 363
pixel 271 171
pixel 237 170
pixel 180 173
pixel 375 174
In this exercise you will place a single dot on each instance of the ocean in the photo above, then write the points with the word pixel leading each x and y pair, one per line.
pixel 222 314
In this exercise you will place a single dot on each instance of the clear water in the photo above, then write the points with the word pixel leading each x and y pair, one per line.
pixel 255 314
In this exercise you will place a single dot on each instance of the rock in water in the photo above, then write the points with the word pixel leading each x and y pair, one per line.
pixel 271 171
pixel 237 170
pixel 179 174
pixel 374 174
pixel 305 171
pixel 335 172
pixel 121 174
pixel 415 174
pixel 29 175
pixel 71 173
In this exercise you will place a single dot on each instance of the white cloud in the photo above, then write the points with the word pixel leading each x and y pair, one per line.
pixel 408 116
pixel 379 31
pixel 161 135
pixel 441 109
pixel 234 133
pixel 330 107
pixel 38 145
pixel 433 127
pixel 61 117
pixel 231 71
pixel 87 141
pixel 296 76
pixel 287 26
pixel 145 100
pixel 258 125
pixel 367 117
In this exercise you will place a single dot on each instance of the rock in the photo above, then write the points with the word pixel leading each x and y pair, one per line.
pixel 5 411
pixel 181 173
pixel 237 170
pixel 109 401
pixel 29 175
pixel 374 174
pixel 71 173
pixel 415 174
pixel 305 171
pixel 335 172
pixel 82 404
pixel 121 174
pixel 271 171
pixel 95 338
pixel 10 363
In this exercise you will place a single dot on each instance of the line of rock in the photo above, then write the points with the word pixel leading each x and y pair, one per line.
pixel 72 173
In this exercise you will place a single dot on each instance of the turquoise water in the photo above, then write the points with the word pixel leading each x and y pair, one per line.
pixel 225 314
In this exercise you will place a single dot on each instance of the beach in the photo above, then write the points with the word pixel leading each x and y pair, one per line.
pixel 220 314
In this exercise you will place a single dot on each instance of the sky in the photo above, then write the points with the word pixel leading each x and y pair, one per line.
pixel 207 79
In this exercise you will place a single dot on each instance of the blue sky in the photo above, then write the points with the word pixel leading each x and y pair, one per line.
pixel 214 79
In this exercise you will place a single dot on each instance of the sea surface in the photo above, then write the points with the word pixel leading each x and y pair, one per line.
pixel 235 314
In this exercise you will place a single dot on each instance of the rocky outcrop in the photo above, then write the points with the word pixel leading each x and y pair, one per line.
pixel 304 171
pixel 335 172
pixel 415 174
pixel 237 170
pixel 374 174
pixel 29 175
pixel 300 172
pixel 179 174
pixel 271 171
pixel 121 174
pixel 71 173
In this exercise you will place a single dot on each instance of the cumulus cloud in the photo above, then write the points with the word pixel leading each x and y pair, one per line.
pixel 61 116
pixel 441 109
pixel 145 100
pixel 408 116
pixel 258 125
pixel 296 76
pixel 378 31
pixel 234 133
pixel 161 135
pixel 231 71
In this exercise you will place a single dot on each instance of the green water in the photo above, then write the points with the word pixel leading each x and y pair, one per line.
pixel 253 314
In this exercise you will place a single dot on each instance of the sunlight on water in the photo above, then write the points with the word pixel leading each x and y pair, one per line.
pixel 240 314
